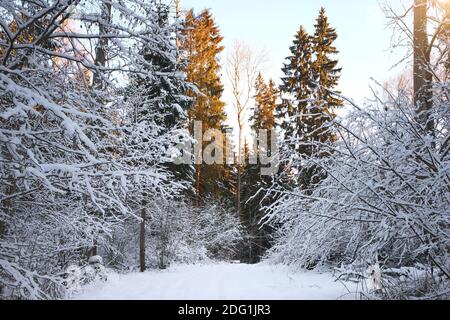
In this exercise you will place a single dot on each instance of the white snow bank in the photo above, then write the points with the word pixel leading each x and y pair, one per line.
pixel 220 281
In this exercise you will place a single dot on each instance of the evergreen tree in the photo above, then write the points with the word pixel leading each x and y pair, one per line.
pixel 164 90
pixel 254 183
pixel 266 96
pixel 326 72
pixel 308 107
pixel 296 90
pixel 158 93
pixel 201 43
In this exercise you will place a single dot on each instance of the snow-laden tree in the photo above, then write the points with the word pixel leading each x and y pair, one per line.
pixel 155 109
pixel 175 232
pixel 385 193
pixel 220 230
pixel 65 169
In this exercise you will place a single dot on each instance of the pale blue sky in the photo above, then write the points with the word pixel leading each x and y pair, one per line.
pixel 363 41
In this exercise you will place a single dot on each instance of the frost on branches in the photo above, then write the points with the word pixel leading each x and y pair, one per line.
pixel 66 169
pixel 385 196
pixel 380 189
pixel 177 233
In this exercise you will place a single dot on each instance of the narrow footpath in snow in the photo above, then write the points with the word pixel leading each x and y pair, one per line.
pixel 222 282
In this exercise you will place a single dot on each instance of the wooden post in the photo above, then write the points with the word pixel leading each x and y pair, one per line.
pixel 142 242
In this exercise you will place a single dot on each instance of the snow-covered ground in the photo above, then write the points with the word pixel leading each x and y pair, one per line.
pixel 221 281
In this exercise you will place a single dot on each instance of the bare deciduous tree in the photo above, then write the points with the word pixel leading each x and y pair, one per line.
pixel 243 65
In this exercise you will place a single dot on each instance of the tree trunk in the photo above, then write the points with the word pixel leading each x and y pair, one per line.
pixel 100 50
pixel 142 242
pixel 197 185
pixel 238 191
pixel 239 168
pixel 422 76
pixel 198 149
pixel 94 251
pixel 447 37
pixel 100 60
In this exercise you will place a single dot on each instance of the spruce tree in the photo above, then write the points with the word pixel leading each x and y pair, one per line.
pixel 201 43
pixel 308 106
pixel 164 87
pixel 266 96
pixel 254 184
pixel 326 72
pixel 160 94
pixel 296 90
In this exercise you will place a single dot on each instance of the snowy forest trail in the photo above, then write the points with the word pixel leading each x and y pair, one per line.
pixel 221 281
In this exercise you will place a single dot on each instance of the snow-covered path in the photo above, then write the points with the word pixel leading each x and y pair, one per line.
pixel 220 281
